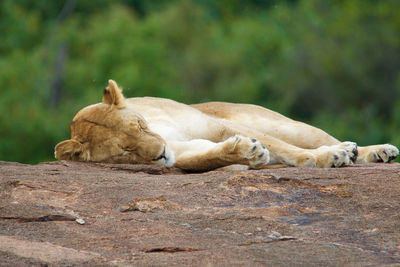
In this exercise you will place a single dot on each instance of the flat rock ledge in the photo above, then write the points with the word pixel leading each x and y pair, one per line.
pixel 76 214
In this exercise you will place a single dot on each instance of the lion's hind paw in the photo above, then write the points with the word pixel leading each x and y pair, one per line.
pixel 333 156
pixel 377 153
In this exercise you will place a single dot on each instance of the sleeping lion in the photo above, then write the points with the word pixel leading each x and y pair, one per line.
pixel 203 137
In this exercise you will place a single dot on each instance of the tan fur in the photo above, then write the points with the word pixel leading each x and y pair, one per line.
pixel 202 137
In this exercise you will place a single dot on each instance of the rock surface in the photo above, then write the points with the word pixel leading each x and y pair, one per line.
pixel 69 213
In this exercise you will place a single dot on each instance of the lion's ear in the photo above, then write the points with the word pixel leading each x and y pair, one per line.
pixel 68 150
pixel 113 95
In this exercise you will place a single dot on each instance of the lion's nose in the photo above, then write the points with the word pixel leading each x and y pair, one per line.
pixel 162 156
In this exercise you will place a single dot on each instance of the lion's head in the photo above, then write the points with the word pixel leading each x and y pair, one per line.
pixel 111 132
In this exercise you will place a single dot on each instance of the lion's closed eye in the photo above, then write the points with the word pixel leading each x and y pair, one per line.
pixel 141 125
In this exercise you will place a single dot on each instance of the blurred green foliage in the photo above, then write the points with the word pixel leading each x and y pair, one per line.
pixel 334 64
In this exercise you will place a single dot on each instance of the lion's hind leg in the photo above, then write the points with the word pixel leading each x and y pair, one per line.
pixel 204 155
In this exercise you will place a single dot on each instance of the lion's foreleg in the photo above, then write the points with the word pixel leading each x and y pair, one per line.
pixel 204 155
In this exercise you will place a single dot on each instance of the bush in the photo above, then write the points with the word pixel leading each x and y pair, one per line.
pixel 334 64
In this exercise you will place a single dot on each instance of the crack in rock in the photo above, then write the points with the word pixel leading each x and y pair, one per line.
pixel 170 250
pixel 45 218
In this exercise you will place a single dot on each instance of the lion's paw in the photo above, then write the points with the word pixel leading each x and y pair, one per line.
pixel 377 153
pixel 333 156
pixel 249 151
pixel 351 149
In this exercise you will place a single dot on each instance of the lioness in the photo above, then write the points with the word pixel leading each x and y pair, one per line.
pixel 203 137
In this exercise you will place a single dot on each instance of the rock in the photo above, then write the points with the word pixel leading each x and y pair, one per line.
pixel 148 215
pixel 277 236
pixel 149 204
pixel 80 221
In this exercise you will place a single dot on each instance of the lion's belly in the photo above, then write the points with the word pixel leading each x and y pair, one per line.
pixel 181 128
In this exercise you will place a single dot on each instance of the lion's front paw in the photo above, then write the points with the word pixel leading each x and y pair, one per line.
pixel 350 148
pixel 377 153
pixel 248 151
pixel 332 156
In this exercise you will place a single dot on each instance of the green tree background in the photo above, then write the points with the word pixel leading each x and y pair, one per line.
pixel 333 64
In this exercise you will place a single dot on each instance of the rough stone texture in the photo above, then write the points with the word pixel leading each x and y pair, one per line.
pixel 66 213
